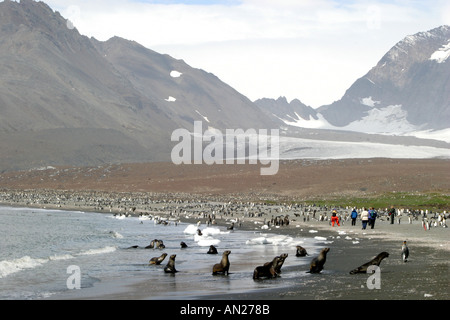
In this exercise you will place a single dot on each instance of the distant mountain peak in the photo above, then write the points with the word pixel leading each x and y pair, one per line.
pixel 407 76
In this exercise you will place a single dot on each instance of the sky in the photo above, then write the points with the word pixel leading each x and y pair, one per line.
pixel 311 50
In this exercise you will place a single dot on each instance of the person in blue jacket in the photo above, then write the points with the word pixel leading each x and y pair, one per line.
pixel 372 217
pixel 354 215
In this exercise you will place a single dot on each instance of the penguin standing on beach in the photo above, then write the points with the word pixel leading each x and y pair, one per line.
pixel 405 252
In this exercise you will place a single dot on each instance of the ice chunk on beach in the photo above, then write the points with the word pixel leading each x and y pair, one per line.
pixel 320 238
pixel 171 99
pixel 191 229
pixel 208 242
pixel 259 240
pixel 278 240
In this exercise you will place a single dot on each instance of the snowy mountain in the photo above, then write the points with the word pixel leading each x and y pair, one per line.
pixel 408 91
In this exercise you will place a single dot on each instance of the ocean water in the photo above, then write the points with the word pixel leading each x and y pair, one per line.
pixel 64 254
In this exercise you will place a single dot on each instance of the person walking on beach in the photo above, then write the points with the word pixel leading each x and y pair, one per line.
pixel 354 215
pixel 372 217
pixel 334 218
pixel 364 218
pixel 391 213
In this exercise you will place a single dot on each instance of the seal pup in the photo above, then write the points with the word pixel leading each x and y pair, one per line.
pixel 317 263
pixel 170 267
pixel 374 262
pixel 405 252
pixel 224 265
pixel 267 270
pixel 158 260
pixel 301 252
pixel 212 250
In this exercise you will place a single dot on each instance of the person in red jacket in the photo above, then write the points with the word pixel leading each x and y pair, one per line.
pixel 334 218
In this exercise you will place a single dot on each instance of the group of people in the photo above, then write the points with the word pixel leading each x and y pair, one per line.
pixel 368 217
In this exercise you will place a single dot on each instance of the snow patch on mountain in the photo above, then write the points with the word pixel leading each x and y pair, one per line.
pixel 205 118
pixel 387 120
pixel 441 135
pixel 369 102
pixel 320 123
pixel 442 54
pixel 390 119
pixel 175 74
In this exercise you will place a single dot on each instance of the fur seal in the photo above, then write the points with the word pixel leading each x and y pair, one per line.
pixel 212 250
pixel 170 267
pixel 183 245
pixel 267 270
pixel 280 262
pixel 405 252
pixel 158 244
pixel 301 252
pixel 318 262
pixel 374 262
pixel 224 265
pixel 158 260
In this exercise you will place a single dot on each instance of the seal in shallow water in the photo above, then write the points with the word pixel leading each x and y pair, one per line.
pixel 212 250
pixel 318 262
pixel 170 267
pixel 301 252
pixel 374 262
pixel 158 260
pixel 267 270
pixel 224 264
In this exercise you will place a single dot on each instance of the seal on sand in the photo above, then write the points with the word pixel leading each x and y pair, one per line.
pixel 183 245
pixel 267 270
pixel 317 263
pixel 170 267
pixel 224 264
pixel 374 262
pixel 158 260
pixel 301 252
pixel 212 250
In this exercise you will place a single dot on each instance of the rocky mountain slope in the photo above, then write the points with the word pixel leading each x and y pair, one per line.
pixel 71 100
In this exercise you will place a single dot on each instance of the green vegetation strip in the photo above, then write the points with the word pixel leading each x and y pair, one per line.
pixel 430 201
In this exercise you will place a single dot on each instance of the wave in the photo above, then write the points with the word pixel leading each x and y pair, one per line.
pixel 98 251
pixel 8 267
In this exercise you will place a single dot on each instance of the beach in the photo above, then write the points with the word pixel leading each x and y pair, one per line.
pixel 423 277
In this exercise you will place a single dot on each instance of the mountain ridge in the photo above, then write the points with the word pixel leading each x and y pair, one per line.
pixel 410 84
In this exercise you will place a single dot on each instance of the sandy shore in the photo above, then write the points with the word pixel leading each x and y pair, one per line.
pixel 423 277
